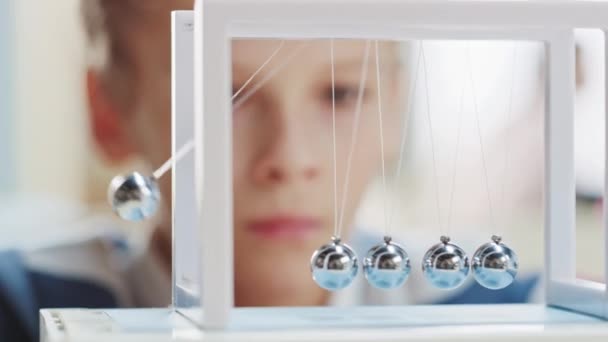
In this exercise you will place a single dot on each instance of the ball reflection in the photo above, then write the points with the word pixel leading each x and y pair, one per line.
pixel 387 265
pixel 495 265
pixel 445 265
pixel 134 197
pixel 334 266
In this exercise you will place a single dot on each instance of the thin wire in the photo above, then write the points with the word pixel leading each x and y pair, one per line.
pixel 404 126
pixel 458 135
pixel 185 149
pixel 509 131
pixel 268 60
pixel 378 87
pixel 269 76
pixel 483 156
pixel 354 132
pixel 333 118
pixel 428 114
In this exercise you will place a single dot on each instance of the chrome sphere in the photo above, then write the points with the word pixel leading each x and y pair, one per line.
pixel 387 265
pixel 445 265
pixel 334 266
pixel 495 265
pixel 134 197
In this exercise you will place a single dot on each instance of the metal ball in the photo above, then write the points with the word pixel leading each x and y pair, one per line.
pixel 494 265
pixel 387 265
pixel 445 265
pixel 134 197
pixel 334 266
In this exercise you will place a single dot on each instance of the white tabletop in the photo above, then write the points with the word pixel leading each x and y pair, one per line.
pixel 414 323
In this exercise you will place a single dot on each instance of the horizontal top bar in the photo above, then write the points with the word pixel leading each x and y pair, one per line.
pixel 437 13
pixel 395 33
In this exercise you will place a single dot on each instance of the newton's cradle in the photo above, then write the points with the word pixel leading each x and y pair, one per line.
pixel 202 214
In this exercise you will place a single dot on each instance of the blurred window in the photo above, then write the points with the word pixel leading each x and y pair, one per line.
pixel 6 137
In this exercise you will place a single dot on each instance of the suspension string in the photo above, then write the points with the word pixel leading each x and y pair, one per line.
pixel 508 115
pixel 268 60
pixel 240 101
pixel 430 124
pixel 380 125
pixel 333 119
pixel 483 156
pixel 404 126
pixel 189 146
pixel 355 130
pixel 456 152
pixel 181 153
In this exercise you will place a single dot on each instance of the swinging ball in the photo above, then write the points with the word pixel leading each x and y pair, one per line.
pixel 445 265
pixel 134 197
pixel 334 266
pixel 494 264
pixel 387 265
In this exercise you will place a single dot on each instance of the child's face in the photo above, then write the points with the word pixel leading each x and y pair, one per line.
pixel 283 151
pixel 283 147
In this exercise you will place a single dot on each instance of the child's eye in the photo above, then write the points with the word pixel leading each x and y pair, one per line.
pixel 345 96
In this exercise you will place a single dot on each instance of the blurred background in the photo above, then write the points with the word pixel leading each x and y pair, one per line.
pixel 53 182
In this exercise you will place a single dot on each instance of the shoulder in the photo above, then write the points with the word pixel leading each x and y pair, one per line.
pixel 98 260
pixel 78 274
pixel 17 307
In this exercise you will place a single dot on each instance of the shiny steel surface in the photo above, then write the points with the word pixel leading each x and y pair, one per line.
pixel 334 266
pixel 387 265
pixel 134 197
pixel 495 265
pixel 445 265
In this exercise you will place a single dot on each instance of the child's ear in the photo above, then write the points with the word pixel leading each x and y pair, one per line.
pixel 108 126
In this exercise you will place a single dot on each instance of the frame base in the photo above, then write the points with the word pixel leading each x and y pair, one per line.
pixel 525 322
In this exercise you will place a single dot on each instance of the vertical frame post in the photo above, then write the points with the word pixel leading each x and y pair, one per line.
pixel 213 142
pixel 563 288
pixel 560 201
pixel 186 234
pixel 605 199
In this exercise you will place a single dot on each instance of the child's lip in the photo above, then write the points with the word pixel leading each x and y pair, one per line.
pixel 285 227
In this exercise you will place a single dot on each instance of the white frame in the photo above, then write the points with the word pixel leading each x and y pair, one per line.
pixel 552 22
pixel 186 281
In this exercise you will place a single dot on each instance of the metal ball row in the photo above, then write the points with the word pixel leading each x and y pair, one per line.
pixel 334 266
pixel 446 266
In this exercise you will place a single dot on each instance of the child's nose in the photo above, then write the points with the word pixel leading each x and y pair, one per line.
pixel 287 157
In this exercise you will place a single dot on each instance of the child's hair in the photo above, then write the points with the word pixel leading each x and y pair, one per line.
pixel 112 27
